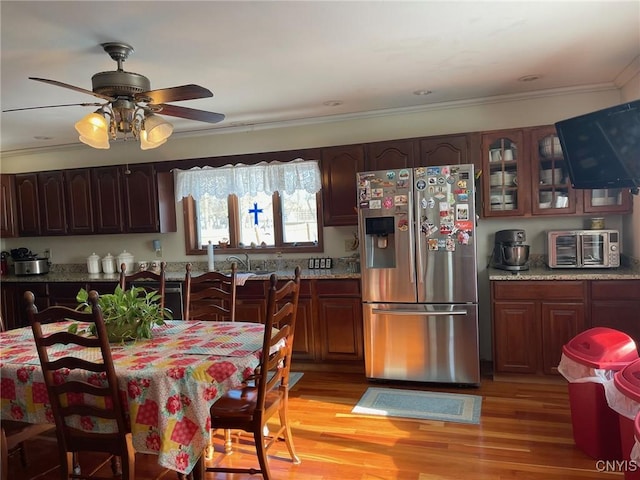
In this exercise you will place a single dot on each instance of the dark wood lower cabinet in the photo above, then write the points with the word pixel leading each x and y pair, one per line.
pixel 616 304
pixel 329 323
pixel 532 320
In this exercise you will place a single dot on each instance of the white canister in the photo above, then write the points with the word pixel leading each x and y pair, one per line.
pixel 126 258
pixel 93 263
pixel 109 263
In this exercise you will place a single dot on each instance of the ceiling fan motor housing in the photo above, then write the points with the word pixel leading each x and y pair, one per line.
pixel 120 83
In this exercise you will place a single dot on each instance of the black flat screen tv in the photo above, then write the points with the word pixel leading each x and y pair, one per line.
pixel 602 148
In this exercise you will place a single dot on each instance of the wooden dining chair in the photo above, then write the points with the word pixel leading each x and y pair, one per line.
pixel 267 390
pixel 13 436
pixel 210 296
pixel 148 275
pixel 81 373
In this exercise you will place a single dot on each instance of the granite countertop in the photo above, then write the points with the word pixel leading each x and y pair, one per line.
pixel 541 272
pixel 70 276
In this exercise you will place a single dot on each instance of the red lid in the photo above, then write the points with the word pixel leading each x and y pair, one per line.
pixel 636 427
pixel 602 347
pixel 627 381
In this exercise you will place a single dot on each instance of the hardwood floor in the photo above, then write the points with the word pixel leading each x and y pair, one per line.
pixel 524 433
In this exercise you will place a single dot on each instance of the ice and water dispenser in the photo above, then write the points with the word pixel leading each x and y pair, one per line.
pixel 379 242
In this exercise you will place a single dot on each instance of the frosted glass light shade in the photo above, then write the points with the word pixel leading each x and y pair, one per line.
pixel 93 126
pixel 157 128
pixel 145 144
pixel 95 143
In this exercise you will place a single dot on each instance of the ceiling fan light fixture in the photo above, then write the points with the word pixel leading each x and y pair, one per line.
pixel 156 128
pixel 95 143
pixel 93 126
pixel 145 144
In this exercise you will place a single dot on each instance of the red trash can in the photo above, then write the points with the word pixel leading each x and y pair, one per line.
pixel 635 451
pixel 625 400
pixel 588 361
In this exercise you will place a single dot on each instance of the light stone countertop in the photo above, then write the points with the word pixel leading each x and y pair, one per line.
pixel 546 273
pixel 69 276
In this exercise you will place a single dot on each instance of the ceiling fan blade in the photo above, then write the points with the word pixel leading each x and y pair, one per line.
pixel 55 106
pixel 174 94
pixel 77 89
pixel 191 113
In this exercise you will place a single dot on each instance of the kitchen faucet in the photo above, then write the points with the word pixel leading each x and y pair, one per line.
pixel 246 263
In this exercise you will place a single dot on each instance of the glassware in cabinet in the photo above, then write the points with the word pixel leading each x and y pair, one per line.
pixel 503 164
pixel 551 192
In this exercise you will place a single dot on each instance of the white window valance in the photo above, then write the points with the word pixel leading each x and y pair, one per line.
pixel 243 179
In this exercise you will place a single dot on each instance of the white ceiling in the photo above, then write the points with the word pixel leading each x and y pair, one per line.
pixel 271 61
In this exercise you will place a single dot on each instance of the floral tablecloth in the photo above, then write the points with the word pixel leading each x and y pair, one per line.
pixel 169 383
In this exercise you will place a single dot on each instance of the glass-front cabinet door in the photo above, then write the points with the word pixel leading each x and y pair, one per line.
pixel 609 200
pixel 505 176
pixel 551 192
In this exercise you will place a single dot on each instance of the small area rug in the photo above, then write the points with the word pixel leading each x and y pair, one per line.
pixel 446 407
pixel 294 377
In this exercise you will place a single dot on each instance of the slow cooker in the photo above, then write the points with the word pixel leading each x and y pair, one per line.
pixel 36 266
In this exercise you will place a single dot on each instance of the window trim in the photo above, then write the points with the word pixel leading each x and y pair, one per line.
pixel 191 235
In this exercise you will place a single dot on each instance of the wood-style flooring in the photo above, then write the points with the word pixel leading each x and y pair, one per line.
pixel 524 433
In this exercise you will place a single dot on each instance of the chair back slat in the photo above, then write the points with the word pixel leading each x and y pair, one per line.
pixel 210 296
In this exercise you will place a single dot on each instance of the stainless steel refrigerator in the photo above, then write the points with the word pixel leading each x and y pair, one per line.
pixel 419 274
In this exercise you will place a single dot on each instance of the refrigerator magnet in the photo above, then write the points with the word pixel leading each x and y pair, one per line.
pixel 421 185
pixel 404 174
pixel 462 211
pixel 391 174
pixel 377 192
pixel 463 237
pixel 387 202
pixel 450 245
pixel 375 204
pixel 433 243
pixel 419 172
pixel 433 171
pixel 400 199
pixel 403 225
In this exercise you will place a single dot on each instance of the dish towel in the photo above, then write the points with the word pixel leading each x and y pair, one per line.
pixel 242 277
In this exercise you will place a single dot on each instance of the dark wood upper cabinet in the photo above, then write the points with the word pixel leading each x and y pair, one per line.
pixel 339 168
pixel 8 215
pixel 140 199
pixel 28 205
pixel 79 201
pixel 392 155
pixel 450 150
pixel 106 183
pixel 53 216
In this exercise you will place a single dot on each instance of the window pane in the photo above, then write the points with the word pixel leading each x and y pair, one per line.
pixel 256 219
pixel 300 222
pixel 213 220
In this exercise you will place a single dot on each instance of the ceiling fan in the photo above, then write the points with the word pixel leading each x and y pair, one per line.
pixel 129 105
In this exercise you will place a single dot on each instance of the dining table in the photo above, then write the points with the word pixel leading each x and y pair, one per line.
pixel 168 382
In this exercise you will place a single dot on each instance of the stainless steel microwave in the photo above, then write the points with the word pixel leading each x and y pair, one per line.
pixel 583 249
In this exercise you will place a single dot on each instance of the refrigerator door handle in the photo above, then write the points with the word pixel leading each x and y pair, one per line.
pixel 418 242
pixel 380 311
pixel 412 254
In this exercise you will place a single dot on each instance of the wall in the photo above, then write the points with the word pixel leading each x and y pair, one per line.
pixel 496 113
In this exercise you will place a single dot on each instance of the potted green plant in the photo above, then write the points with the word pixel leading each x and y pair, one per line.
pixel 128 314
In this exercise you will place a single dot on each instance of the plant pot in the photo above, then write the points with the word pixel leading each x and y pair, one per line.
pixel 120 333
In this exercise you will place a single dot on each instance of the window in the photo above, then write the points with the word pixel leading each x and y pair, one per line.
pixel 268 207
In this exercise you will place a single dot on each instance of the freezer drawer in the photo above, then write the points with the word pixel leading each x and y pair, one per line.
pixel 422 342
